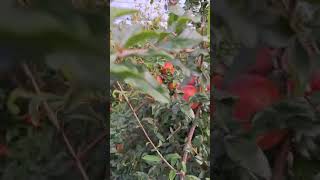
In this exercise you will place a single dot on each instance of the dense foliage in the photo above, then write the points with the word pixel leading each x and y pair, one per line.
pixel 52 91
pixel 160 121
pixel 266 64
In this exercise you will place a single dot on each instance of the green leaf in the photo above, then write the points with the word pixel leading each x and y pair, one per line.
pixel 160 137
pixel 192 177
pixel 121 34
pixel 223 114
pixel 277 34
pixel 186 109
pixel 172 175
pixel 294 114
pixel 84 71
pixel 191 34
pixel 118 12
pixel 151 159
pixel 140 37
pixel 300 65
pixel 304 168
pixel 208 23
pixel 172 18
pixel 173 156
pixel 181 24
pixel 194 18
pixel 240 25
pixel 143 81
pixel 184 167
pixel 158 53
pixel 177 10
pixel 248 155
pixel 48 31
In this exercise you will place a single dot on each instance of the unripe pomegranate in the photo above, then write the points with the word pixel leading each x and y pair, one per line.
pixel 172 86
pixel 167 68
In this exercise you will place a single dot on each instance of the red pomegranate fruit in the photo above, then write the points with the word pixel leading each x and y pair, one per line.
pixel 159 79
pixel 255 93
pixel 188 92
pixel 264 63
pixel 217 81
pixel 314 84
pixel 167 68
pixel 270 139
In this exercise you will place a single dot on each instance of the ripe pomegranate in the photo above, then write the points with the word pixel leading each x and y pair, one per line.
pixel 192 82
pixel 263 63
pixel 255 93
pixel 167 68
pixel 159 79
pixel 190 91
pixel 270 139
pixel 217 81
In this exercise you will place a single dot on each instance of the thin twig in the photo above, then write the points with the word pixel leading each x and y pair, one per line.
pixel 92 144
pixel 281 161
pixel 144 131
pixel 83 152
pixel 52 117
pixel 174 132
pixel 189 144
pixel 128 52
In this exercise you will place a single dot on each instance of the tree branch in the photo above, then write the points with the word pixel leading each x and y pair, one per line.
pixel 144 131
pixel 53 118
pixel 189 143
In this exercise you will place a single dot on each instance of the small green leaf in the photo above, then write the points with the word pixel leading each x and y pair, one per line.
pixel 151 159
pixel 300 65
pixel 192 177
pixel 248 155
pixel 172 175
pixel 177 10
pixel 140 37
pixel 186 109
pixel 173 156
pixel 184 167
pixel 118 12
pixel 143 81
pixel 208 24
